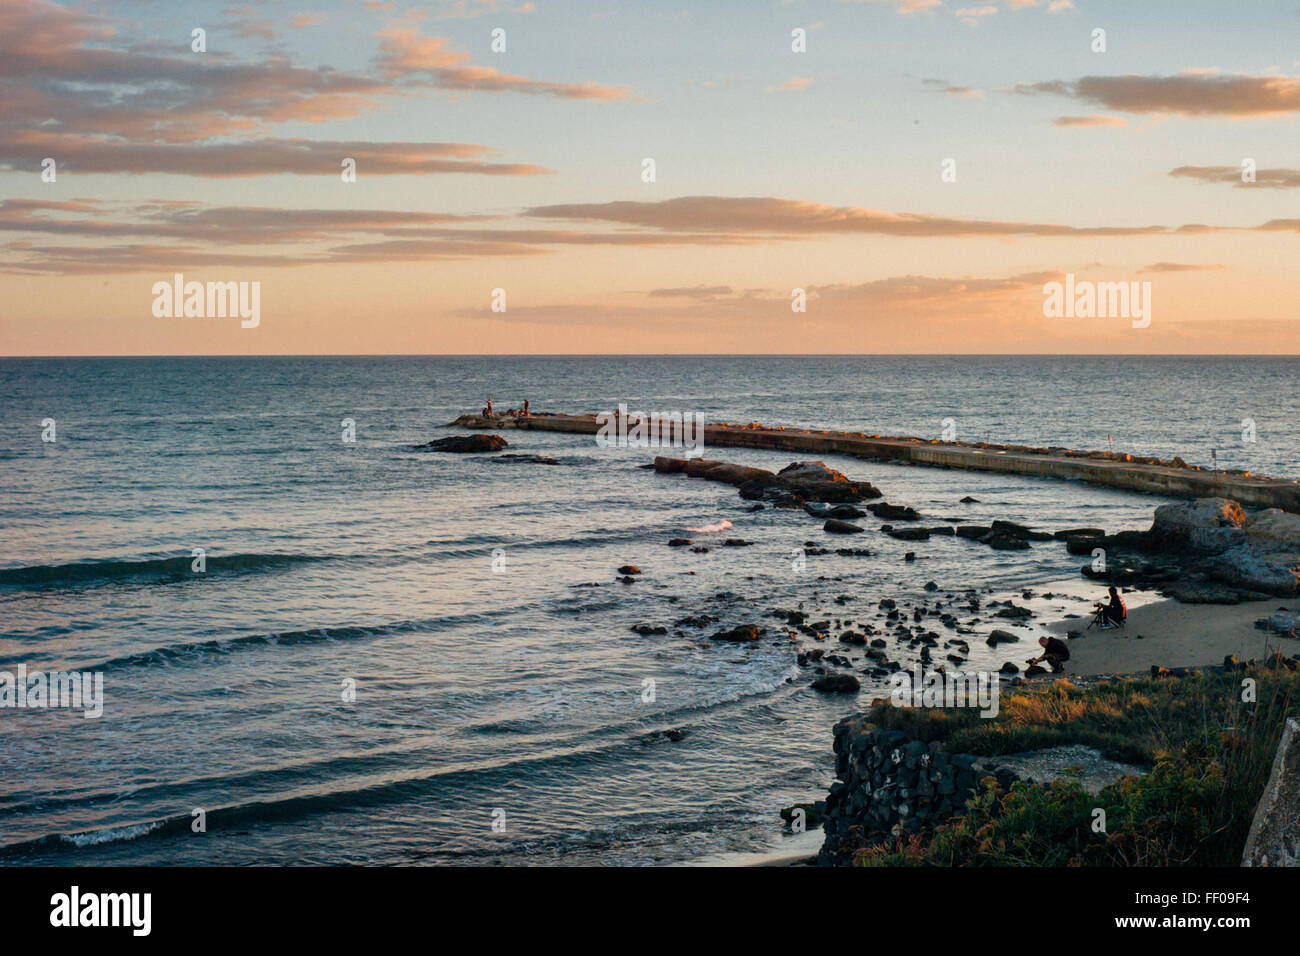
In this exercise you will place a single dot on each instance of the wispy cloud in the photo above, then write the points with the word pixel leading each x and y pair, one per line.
pixel 1186 94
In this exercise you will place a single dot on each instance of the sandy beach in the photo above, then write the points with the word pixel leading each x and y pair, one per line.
pixel 1172 634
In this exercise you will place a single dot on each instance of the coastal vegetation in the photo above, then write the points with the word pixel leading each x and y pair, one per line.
pixel 1210 738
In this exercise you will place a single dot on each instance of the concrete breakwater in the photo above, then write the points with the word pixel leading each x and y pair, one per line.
pixel 1173 478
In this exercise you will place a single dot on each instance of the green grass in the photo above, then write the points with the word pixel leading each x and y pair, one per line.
pixel 1210 754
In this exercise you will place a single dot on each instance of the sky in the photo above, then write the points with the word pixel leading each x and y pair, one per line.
pixel 919 171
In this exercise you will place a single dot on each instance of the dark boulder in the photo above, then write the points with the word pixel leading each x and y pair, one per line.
pixel 463 444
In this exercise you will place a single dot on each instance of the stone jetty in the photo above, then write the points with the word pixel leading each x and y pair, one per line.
pixel 1132 473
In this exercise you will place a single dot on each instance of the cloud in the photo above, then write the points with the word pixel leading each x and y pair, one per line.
pixel 1187 94
pixel 160 234
pixel 1180 267
pixel 973 15
pixel 904 6
pixel 407 55
pixel 261 157
pixel 308 20
pixel 793 217
pixel 1264 178
pixel 794 83
pixel 1096 119
pixel 75 90
pixel 693 292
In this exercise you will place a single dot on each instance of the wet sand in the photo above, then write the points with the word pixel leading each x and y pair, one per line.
pixel 1172 634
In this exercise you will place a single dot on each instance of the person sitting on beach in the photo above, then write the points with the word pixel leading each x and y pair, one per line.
pixel 1113 612
pixel 1054 652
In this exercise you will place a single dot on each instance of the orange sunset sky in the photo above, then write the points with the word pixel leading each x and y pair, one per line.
pixel 480 168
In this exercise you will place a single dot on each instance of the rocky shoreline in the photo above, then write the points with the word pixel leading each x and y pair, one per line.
pixel 1207 550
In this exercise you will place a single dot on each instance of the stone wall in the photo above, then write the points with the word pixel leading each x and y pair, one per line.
pixel 889 784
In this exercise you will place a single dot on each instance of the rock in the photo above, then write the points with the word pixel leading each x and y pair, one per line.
pixel 837 684
pixel 910 556
pixel 679 542
pixel 998 636
pixel 1256 568
pixel 968 500
pixel 1002 542
pixel 1008 668
pixel 1014 612
pixel 736 543
pixel 887 512
pixel 812 813
pixel 931 586
pixel 744 634
pixel 534 459
pixel 1209 525
pixel 1274 838
pixel 975 531
pixel 629 569
pixel 909 534
pixel 1011 529
pixel 647 629
pixel 675 734
pixel 840 527
pixel 710 470
pixel 1069 533
pixel 1033 670
pixel 1201 592
pixel 462 444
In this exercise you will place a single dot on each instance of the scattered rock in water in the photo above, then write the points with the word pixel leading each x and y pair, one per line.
pixel 931 586
pixel 679 543
pixel 1008 668
pixel 887 512
pixel 1002 542
pixel 743 634
pixel 812 813
pixel 835 526
pixel 463 444
pixel 910 556
pixel 629 569
pixel 1086 533
pixel 647 629
pixel 534 459
pixel 1014 612
pixel 968 500
pixel 974 531
pixel 700 549
pixel 837 684
pixel 998 636
pixel 736 543
pixel 1033 670
pixel 909 534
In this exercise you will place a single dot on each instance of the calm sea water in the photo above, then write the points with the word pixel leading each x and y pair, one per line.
pixel 512 696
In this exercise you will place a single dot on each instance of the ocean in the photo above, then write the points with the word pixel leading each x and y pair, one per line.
pixel 502 709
